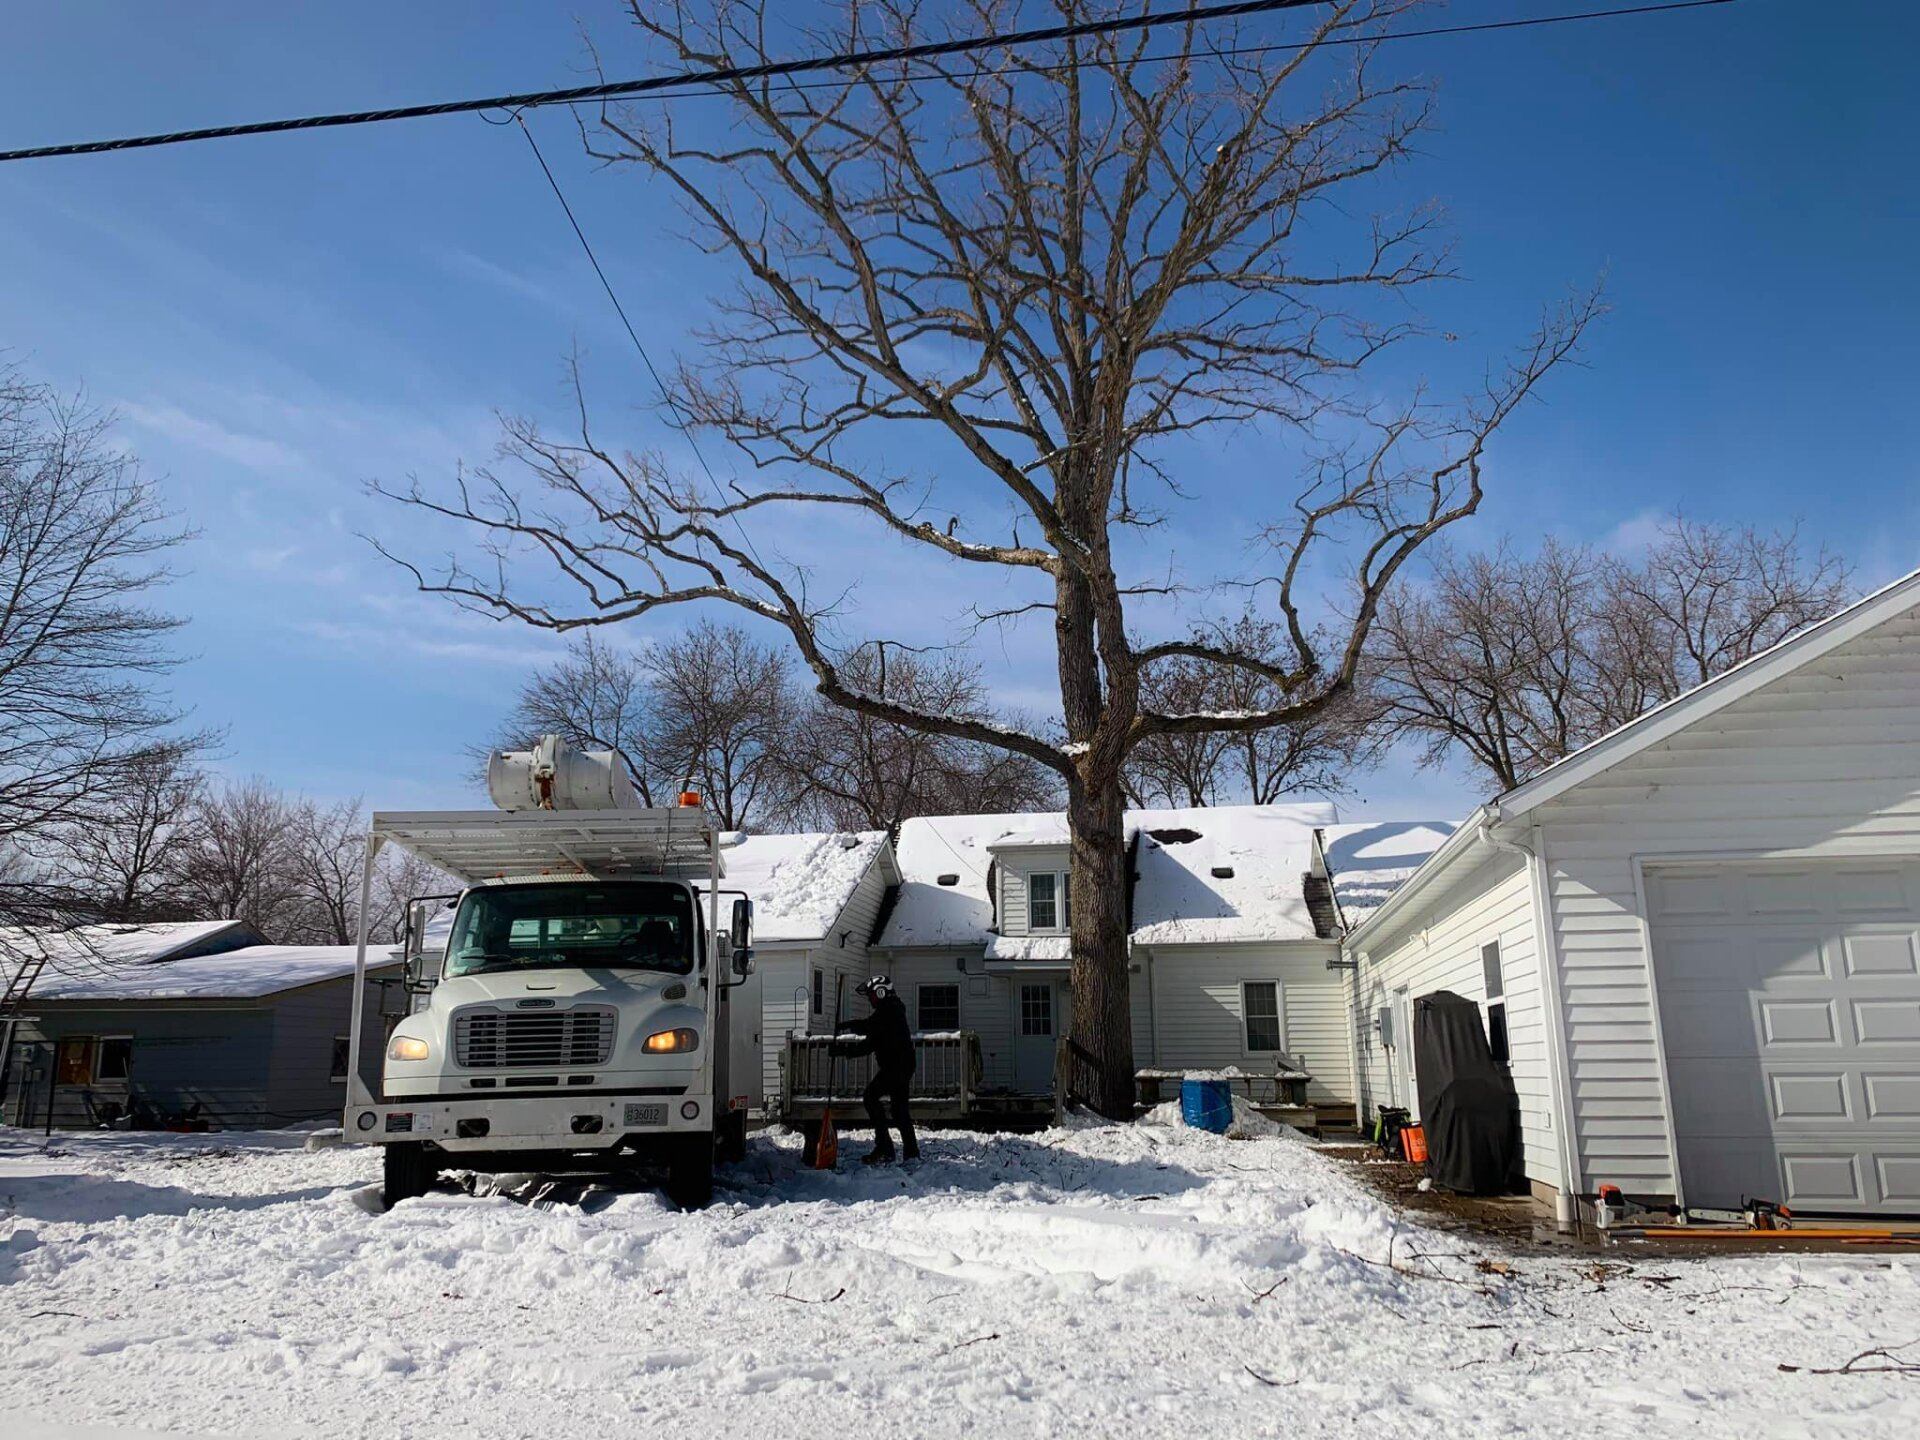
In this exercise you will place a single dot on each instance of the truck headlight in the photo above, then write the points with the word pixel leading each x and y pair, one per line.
pixel 665 1042
pixel 405 1047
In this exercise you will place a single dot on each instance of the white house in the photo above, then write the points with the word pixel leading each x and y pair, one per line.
pixel 817 902
pixel 1697 941
pixel 1234 941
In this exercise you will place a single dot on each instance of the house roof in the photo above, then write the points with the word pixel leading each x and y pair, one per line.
pixel 1370 861
pixel 801 883
pixel 1242 878
pixel 1695 705
pixel 86 948
pixel 1177 899
pixel 248 974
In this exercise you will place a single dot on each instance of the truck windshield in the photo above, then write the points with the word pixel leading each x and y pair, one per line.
pixel 644 925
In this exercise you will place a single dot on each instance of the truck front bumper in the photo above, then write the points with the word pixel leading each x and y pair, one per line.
pixel 529 1122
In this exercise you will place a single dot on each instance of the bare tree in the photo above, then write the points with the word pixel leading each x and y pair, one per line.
pixel 723 707
pixel 126 861
pixel 1049 265
pixel 1315 754
pixel 83 540
pixel 240 859
pixel 596 697
pixel 1513 662
pixel 852 771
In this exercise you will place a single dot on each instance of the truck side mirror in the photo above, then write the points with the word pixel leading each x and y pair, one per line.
pixel 414 946
pixel 742 937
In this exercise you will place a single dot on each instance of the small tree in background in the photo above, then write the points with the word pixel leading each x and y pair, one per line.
pixel 1512 663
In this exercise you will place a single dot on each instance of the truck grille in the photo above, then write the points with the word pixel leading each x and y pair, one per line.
pixel 497 1039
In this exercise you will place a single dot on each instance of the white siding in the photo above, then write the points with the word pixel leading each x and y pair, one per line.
pixel 1195 1009
pixel 1013 874
pixel 1439 948
pixel 986 1004
pixel 1825 760
pixel 787 977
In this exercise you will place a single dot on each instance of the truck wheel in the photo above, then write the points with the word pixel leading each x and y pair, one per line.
pixel 690 1172
pixel 733 1137
pixel 408 1172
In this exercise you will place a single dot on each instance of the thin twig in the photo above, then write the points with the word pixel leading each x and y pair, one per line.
pixel 1268 1380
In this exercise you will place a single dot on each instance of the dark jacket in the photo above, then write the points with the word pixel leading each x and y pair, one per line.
pixel 887 1037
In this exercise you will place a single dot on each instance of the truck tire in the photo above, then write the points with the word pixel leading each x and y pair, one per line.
pixel 690 1172
pixel 733 1137
pixel 408 1172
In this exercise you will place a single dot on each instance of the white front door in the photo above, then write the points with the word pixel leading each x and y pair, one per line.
pixel 1036 1021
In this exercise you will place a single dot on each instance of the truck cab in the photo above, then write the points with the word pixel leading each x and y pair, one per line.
pixel 589 1012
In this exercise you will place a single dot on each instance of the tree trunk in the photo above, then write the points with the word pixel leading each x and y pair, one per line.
pixel 1102 1013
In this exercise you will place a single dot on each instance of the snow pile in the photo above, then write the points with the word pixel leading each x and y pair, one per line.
pixel 1247 1123
pixel 1137 1281
pixel 799 883
pixel 1369 862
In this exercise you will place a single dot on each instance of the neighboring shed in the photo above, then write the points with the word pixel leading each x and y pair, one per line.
pixel 817 902
pixel 248 1038
pixel 1705 933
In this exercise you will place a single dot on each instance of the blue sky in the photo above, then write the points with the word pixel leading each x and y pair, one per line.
pixel 280 319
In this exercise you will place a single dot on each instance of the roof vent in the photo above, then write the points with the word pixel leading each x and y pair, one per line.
pixel 1175 837
pixel 1222 872
pixel 950 878
pixel 849 842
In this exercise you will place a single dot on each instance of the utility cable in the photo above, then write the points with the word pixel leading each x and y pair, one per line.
pixel 850 60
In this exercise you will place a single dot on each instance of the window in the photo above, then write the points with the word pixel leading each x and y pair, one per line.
pixel 116 1059
pixel 73 1061
pixel 938 1008
pixel 623 924
pixel 1036 1010
pixel 1490 964
pixel 819 991
pixel 342 1059
pixel 1497 1033
pixel 1260 1006
pixel 1049 902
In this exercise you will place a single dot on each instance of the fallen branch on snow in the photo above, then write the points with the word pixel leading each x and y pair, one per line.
pixel 1854 1367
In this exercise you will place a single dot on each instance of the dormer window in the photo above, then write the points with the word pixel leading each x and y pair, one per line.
pixel 1049 907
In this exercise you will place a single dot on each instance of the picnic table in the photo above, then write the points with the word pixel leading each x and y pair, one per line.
pixel 1288 1083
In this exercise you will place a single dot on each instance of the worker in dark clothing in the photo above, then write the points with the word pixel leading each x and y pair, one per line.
pixel 887 1037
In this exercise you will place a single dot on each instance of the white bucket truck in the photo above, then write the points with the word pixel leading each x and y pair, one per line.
pixel 589 1011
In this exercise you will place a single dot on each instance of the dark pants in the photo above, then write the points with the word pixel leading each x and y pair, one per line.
pixel 891 1086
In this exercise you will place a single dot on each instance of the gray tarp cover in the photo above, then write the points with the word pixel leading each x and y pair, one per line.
pixel 1466 1100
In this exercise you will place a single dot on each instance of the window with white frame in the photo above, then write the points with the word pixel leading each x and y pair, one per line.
pixel 1049 902
pixel 1496 1001
pixel 1260 1010
pixel 937 1007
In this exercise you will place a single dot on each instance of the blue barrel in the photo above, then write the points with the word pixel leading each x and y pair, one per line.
pixel 1207 1104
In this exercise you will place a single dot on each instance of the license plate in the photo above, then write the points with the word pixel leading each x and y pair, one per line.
pixel 646 1115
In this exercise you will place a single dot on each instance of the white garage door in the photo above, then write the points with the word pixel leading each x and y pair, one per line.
pixel 1790 1009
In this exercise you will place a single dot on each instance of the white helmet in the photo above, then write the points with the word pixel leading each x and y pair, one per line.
pixel 878 988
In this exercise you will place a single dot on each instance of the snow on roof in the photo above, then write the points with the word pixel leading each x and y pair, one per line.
pixel 247 974
pixel 799 883
pixel 1369 862
pixel 1242 878
pixel 1177 900
pixel 86 948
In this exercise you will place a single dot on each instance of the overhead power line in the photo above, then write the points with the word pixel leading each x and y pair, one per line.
pixel 850 60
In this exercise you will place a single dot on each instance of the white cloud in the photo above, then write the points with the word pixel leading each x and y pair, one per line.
pixel 1634 536
pixel 256 452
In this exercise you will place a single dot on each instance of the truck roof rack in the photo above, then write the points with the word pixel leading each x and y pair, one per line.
pixel 477 845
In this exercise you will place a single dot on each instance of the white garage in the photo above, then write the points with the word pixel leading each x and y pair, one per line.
pixel 1789 1000
pixel 1699 937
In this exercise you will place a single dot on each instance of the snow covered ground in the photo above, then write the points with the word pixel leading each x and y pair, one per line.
pixel 1110 1281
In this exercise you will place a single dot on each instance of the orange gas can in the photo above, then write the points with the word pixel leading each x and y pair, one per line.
pixel 1413 1144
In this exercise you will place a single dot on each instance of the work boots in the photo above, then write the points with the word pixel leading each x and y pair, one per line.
pixel 881 1154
